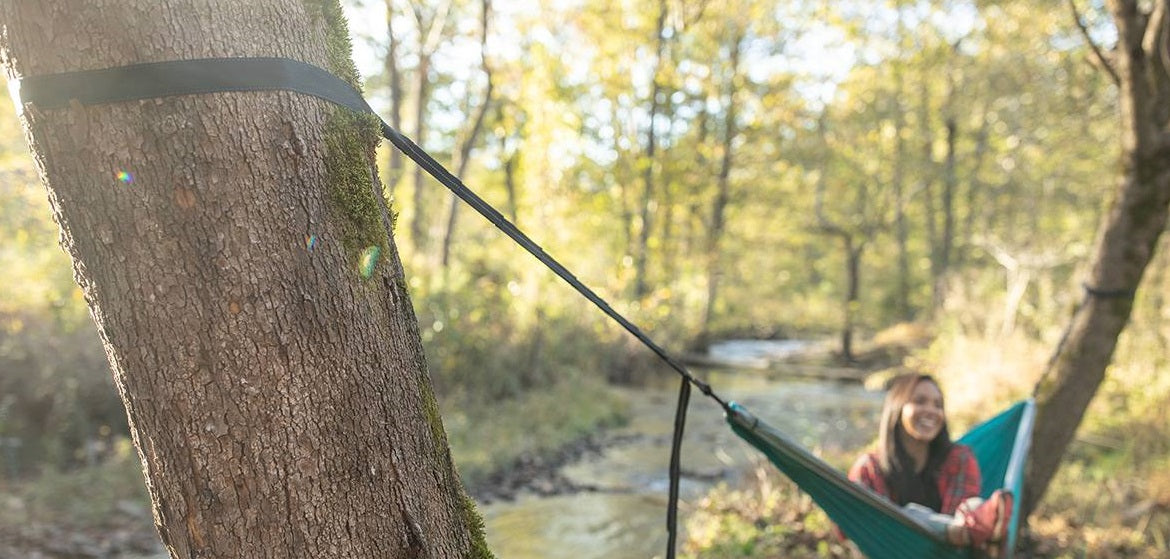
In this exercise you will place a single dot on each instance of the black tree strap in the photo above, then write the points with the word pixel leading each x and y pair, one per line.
pixel 212 75
pixel 188 77
pixel 1109 293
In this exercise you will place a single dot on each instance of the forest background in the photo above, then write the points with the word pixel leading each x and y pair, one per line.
pixel 845 170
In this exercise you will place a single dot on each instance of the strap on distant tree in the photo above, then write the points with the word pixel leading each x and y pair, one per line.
pixel 1109 293
pixel 215 75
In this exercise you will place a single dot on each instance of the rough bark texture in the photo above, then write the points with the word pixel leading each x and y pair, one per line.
pixel 278 396
pixel 1127 241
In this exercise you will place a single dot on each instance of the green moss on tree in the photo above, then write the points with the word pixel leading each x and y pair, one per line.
pixel 338 49
pixel 479 548
pixel 349 142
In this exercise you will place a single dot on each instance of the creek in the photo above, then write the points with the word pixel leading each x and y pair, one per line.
pixel 623 515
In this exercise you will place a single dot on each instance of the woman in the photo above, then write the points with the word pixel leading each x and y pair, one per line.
pixel 918 467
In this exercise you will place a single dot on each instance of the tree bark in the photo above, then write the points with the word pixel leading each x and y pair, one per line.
pixel 277 395
pixel 1126 241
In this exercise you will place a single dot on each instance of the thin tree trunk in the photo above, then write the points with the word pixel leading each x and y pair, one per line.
pixel 277 396
pixel 944 238
pixel 394 75
pixel 431 28
pixel 1126 242
pixel 950 182
pixel 418 227
pixel 723 186
pixel 901 228
pixel 928 193
pixel 510 186
pixel 642 253
pixel 463 154
pixel 974 186
pixel 853 252
pixel 853 241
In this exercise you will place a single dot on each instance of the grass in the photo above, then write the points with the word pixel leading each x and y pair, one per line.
pixel 486 436
pixel 95 498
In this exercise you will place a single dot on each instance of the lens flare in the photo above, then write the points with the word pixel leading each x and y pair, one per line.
pixel 369 260
pixel 125 176
pixel 310 242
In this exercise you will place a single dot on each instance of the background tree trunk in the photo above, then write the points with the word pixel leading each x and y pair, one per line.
pixel 642 284
pixel 1127 240
pixel 277 395
pixel 431 26
pixel 898 183
pixel 470 137
pixel 718 222
pixel 394 79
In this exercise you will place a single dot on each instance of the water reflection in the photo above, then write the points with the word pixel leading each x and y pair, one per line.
pixel 626 518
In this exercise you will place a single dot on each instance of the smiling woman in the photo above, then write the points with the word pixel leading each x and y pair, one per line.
pixel 919 467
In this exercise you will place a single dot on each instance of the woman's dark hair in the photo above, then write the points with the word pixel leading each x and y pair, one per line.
pixel 895 462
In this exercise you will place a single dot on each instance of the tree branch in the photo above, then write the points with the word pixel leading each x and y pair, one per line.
pixel 1104 60
pixel 1157 47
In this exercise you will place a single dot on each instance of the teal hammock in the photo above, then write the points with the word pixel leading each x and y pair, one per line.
pixel 878 526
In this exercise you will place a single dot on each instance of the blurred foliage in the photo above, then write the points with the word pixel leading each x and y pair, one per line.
pixel 57 402
pixel 765 515
pixel 98 497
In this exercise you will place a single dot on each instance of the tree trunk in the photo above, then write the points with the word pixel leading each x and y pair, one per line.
pixel 418 221
pixel 1127 240
pixel 394 76
pixel 950 182
pixel 463 154
pixel 642 254
pixel 277 396
pixel 853 252
pixel 509 164
pixel 898 180
pixel 723 186
pixel 927 175
pixel 431 28
pixel 974 186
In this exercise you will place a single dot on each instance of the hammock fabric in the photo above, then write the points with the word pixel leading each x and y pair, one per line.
pixel 879 527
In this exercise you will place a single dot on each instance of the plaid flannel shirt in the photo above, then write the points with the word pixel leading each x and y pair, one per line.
pixel 958 478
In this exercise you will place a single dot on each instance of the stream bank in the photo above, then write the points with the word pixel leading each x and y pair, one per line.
pixel 607 497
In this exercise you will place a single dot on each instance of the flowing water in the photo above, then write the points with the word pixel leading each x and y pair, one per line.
pixel 625 517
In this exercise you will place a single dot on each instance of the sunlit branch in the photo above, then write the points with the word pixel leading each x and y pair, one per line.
pixel 1104 60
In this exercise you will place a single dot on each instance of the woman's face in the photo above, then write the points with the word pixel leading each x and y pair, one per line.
pixel 922 415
